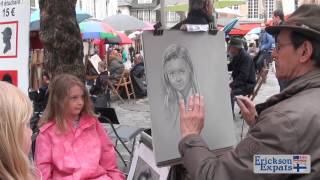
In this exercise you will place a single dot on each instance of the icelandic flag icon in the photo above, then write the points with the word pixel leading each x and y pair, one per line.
pixel 301 163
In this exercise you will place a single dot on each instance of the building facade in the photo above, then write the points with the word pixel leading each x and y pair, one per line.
pixel 98 9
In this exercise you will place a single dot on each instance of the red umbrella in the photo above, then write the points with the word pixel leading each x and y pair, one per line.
pixel 124 38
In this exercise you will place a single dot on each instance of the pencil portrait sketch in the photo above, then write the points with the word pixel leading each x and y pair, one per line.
pixel 179 65
pixel 179 80
pixel 143 165
pixel 144 171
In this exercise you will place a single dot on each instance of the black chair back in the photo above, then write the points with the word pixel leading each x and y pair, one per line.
pixel 109 113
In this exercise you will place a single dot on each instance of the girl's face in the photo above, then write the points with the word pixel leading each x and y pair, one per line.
pixel 74 101
pixel 27 133
pixel 178 74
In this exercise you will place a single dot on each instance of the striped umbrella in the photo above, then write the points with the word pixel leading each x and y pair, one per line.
pixel 94 29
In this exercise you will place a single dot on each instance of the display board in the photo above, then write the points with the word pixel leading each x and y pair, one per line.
pixel 14 44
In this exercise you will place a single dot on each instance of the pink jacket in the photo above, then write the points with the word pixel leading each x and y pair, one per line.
pixel 80 153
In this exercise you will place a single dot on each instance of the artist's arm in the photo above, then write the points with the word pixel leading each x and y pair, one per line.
pixel 262 138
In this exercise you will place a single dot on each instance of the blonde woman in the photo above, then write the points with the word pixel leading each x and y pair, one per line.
pixel 15 133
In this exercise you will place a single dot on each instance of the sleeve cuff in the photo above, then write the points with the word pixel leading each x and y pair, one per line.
pixel 192 140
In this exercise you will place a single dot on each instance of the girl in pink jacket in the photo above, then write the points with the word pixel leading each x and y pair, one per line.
pixel 72 144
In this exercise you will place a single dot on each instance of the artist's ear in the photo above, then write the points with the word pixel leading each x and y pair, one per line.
pixel 306 50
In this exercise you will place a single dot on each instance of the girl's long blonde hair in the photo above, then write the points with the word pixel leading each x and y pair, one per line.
pixel 58 92
pixel 15 113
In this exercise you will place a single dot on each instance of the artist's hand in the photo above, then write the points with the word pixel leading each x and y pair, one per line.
pixel 248 109
pixel 192 119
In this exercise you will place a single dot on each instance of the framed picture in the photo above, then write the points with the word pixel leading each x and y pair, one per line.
pixel 9 39
pixel 10 76
pixel 180 64
pixel 143 166
pixel 95 59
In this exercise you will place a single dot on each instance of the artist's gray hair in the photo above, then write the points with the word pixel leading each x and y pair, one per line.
pixel 197 4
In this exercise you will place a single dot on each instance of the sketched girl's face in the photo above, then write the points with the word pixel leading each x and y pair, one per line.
pixel 178 73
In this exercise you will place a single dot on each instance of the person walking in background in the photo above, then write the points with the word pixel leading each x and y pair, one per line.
pixel 278 19
pixel 124 54
pixel 288 123
pixel 15 134
pixel 72 144
pixel 132 53
pixel 265 49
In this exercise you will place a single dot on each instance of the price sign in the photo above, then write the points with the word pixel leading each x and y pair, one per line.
pixel 6 12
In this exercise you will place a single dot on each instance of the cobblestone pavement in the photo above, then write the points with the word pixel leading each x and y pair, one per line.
pixel 137 112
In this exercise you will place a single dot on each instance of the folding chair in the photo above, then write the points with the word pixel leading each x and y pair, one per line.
pixel 125 81
pixel 121 133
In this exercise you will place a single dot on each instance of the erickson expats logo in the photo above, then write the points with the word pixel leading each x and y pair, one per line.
pixel 281 164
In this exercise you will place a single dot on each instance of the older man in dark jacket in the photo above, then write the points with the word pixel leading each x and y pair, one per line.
pixel 286 124
pixel 243 71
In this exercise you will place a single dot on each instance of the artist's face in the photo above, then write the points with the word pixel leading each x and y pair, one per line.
pixel 178 73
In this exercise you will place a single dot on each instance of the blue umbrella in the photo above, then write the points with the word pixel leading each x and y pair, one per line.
pixel 230 25
pixel 35 18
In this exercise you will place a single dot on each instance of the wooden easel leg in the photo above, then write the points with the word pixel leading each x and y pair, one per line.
pixel 114 90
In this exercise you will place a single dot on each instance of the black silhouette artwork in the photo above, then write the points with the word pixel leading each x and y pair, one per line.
pixel 7 33
pixel 7 78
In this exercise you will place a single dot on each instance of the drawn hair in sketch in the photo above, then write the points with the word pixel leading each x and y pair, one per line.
pixel 179 79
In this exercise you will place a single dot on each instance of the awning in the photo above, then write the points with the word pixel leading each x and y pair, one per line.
pixel 244 29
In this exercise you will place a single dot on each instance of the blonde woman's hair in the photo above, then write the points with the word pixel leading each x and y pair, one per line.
pixel 58 92
pixel 16 111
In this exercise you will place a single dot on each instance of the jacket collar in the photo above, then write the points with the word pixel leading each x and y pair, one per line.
pixel 307 81
pixel 85 121
pixel 197 17
pixel 239 55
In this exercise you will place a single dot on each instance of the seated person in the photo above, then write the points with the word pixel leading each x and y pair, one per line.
pixel 43 91
pixel 115 66
pixel 138 76
pixel 100 85
pixel 243 70
pixel 72 144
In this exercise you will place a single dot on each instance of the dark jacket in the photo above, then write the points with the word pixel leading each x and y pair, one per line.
pixel 194 17
pixel 243 72
pixel 288 123
pixel 139 80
